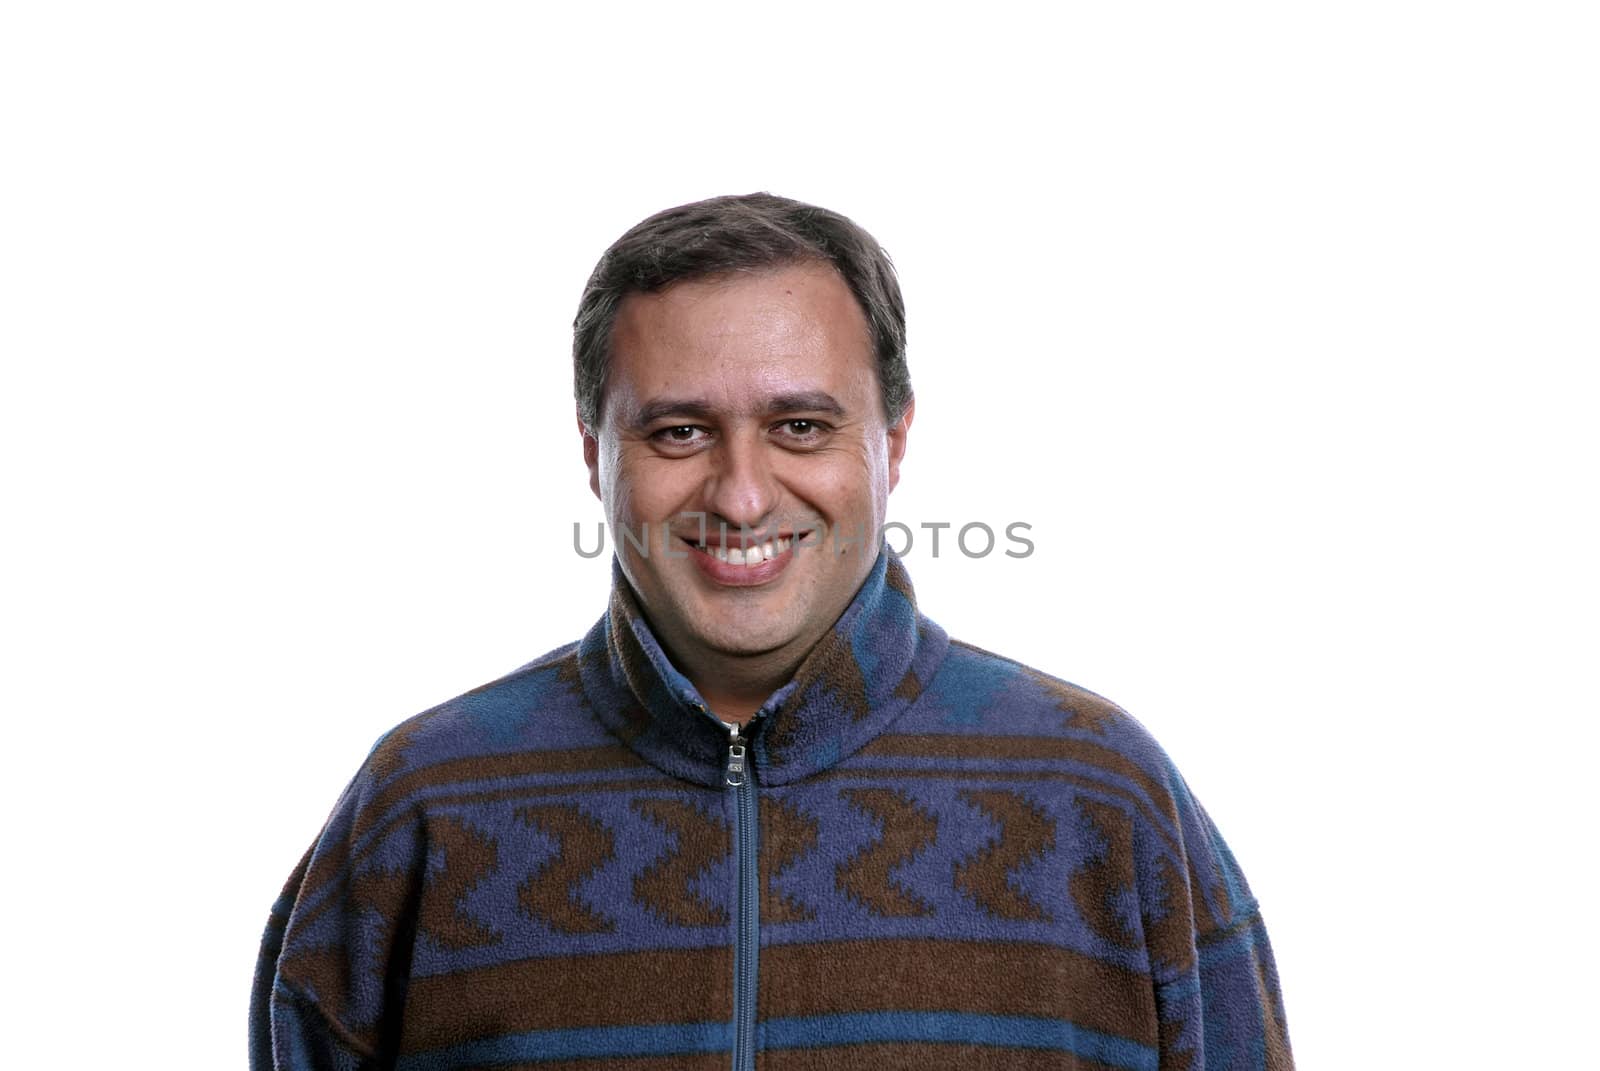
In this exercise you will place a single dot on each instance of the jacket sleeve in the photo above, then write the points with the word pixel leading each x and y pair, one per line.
pixel 1217 993
pixel 331 974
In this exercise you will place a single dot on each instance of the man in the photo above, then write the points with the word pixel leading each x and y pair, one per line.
pixel 763 810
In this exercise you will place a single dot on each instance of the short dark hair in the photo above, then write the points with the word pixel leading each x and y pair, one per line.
pixel 738 233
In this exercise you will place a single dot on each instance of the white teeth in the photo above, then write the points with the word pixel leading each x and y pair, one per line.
pixel 752 555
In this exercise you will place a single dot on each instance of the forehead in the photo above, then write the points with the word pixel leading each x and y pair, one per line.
pixel 734 339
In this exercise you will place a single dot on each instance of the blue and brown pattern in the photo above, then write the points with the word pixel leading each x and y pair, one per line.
pixel 962 862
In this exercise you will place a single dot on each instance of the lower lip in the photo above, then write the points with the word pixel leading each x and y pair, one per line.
pixel 740 576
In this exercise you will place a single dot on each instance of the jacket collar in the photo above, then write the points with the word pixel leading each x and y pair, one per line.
pixel 864 672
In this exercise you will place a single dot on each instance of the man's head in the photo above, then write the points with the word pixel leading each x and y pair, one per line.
pixel 740 376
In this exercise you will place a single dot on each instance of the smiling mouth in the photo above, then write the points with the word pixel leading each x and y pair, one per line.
pixel 754 554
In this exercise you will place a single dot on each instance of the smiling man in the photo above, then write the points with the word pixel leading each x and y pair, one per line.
pixel 742 421
pixel 764 812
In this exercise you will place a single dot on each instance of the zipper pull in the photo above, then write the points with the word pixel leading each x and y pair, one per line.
pixel 734 774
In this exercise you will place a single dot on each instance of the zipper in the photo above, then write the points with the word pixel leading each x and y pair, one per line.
pixel 739 776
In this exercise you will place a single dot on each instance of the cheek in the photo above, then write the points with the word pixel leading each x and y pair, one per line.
pixel 619 483
pixel 876 456
pixel 644 486
pixel 613 488
pixel 852 482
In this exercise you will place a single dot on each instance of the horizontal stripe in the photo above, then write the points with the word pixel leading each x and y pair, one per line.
pixel 464 803
pixel 582 1043
pixel 1016 1032
pixel 987 977
pixel 1016 979
pixel 456 772
pixel 917 1055
pixel 553 992
pixel 680 1061
pixel 812 1032
pixel 911 1056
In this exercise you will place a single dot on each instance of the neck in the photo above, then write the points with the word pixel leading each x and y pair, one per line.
pixel 735 686
pixel 824 696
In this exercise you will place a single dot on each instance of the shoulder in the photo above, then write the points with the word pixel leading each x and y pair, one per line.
pixel 530 724
pixel 1072 752
pixel 985 695
pixel 538 706
pixel 985 715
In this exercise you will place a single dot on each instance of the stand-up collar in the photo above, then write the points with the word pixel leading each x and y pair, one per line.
pixel 863 673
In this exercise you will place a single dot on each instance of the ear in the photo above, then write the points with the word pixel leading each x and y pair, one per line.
pixel 591 455
pixel 897 441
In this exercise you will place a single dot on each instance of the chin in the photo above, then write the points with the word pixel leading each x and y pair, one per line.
pixel 745 643
pixel 742 634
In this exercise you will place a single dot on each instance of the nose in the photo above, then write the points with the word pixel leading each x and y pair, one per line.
pixel 741 489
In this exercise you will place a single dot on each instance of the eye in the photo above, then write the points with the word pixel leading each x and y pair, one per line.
pixel 801 431
pixel 679 436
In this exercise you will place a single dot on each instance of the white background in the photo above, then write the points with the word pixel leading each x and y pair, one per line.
pixel 1277 323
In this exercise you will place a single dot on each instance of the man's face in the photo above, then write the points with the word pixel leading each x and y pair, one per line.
pixel 750 400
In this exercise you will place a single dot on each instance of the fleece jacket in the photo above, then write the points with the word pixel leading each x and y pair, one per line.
pixel 918 854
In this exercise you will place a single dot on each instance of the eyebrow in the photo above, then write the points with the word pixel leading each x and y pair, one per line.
pixel 811 401
pixel 808 401
pixel 652 411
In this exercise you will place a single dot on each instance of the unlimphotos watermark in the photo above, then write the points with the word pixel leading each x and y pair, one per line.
pixel 974 539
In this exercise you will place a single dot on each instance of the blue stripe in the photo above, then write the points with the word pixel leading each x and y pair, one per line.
pixel 806 1032
pixel 580 1043
pixel 1010 1031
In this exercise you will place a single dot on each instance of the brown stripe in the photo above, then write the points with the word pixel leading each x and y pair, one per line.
pixel 497 767
pixel 980 977
pixel 923 1056
pixel 501 795
pixel 954 746
pixel 697 1061
pixel 615 989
